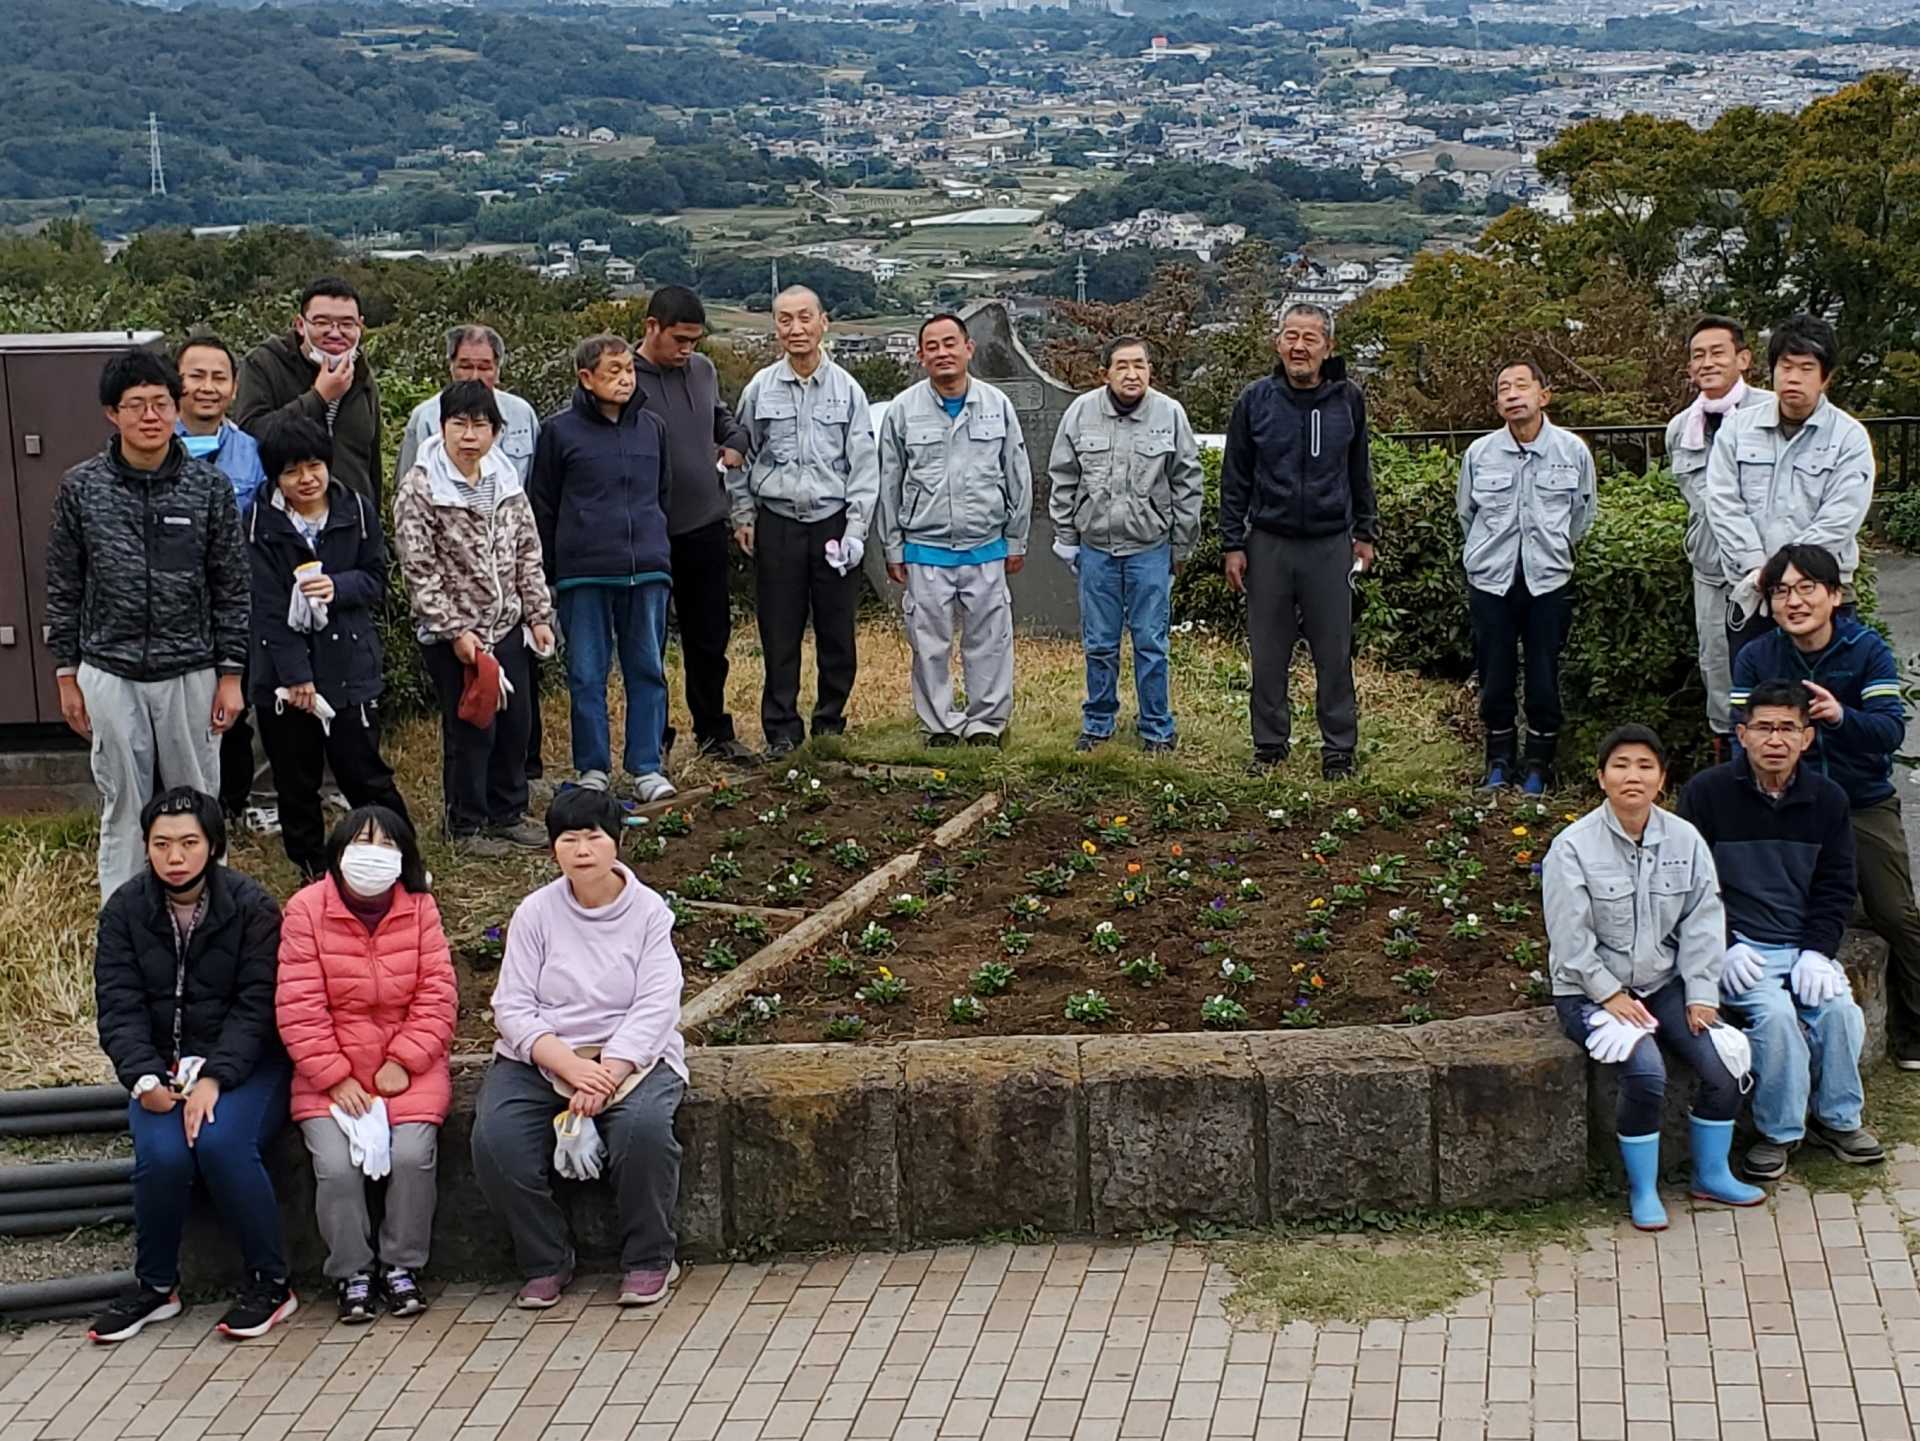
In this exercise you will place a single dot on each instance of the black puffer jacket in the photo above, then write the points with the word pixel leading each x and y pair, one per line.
pixel 223 991
pixel 342 660
pixel 146 570
pixel 1295 461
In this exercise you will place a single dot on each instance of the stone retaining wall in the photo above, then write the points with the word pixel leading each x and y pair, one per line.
pixel 796 1146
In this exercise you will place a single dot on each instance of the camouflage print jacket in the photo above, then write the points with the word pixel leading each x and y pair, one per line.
pixel 468 568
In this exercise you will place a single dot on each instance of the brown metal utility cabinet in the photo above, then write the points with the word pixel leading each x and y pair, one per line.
pixel 50 401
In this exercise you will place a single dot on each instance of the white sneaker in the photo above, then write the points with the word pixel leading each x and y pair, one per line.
pixel 653 787
pixel 593 780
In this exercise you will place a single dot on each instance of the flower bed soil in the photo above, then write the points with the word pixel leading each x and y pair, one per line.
pixel 1456 863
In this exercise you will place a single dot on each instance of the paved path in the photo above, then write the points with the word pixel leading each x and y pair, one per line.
pixel 1792 1321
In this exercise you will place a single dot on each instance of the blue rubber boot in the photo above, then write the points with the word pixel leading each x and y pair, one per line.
pixel 1712 1181
pixel 1641 1154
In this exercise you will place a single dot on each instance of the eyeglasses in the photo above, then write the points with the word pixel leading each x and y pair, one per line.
pixel 132 408
pixel 1805 589
pixel 1775 730
pixel 337 327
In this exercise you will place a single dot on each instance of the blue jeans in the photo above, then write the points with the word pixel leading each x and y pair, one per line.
pixel 595 618
pixel 1643 1075
pixel 1800 1052
pixel 227 1156
pixel 1137 591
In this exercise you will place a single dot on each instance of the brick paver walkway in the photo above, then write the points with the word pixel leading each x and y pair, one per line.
pixel 1798 1320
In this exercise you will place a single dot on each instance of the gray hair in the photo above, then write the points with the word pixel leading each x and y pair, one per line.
pixel 463 334
pixel 1307 307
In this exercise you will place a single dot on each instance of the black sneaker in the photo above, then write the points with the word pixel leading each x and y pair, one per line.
pixel 983 740
pixel 941 741
pixel 262 1306
pixel 1858 1147
pixel 403 1292
pixel 729 751
pixel 1267 758
pixel 1086 742
pixel 1159 748
pixel 778 749
pixel 122 1320
pixel 1336 766
pixel 1906 1055
pixel 356 1299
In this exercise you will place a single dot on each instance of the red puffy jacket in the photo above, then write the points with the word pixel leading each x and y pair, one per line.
pixel 348 1001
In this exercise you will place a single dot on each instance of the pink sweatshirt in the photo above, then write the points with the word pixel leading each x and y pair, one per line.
pixel 608 977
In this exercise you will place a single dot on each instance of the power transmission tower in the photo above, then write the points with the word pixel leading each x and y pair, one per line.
pixel 774 280
pixel 156 170
pixel 1080 280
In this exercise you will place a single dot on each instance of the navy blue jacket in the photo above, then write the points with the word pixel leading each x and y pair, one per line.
pixel 600 491
pixel 1786 865
pixel 1295 461
pixel 341 660
pixel 1860 670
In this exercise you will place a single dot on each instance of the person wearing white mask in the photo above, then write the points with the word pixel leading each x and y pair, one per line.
pixel 366 1003
pixel 319 564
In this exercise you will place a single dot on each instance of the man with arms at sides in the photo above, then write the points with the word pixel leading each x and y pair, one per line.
pixel 1718 360
pixel 801 507
pixel 681 387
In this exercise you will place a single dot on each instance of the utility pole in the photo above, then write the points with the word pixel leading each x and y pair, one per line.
pixel 156 171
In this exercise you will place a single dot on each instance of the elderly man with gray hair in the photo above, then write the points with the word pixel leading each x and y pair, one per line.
pixel 476 352
pixel 1297 518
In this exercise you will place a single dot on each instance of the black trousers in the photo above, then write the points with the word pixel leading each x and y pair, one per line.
pixel 1502 626
pixel 703 610
pixel 483 769
pixel 536 726
pixel 300 752
pixel 793 581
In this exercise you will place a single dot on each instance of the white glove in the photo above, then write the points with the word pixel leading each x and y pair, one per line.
pixel 322 712
pixel 1611 1040
pixel 186 1073
pixel 1743 969
pixel 369 1139
pixel 533 646
pixel 1817 979
pixel 1070 554
pixel 844 555
pixel 577 1148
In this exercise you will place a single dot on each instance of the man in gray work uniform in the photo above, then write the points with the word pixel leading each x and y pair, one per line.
pixel 956 506
pixel 1296 516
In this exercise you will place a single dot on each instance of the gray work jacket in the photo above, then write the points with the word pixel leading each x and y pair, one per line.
pixel 1765 490
pixel 1689 466
pixel 813 448
pixel 958 483
pixel 1126 483
pixel 1523 508
pixel 1629 915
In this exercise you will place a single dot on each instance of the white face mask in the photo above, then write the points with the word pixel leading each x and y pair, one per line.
pixel 1736 1053
pixel 369 870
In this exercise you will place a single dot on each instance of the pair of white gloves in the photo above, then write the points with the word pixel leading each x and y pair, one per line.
pixel 369 1138
pixel 1611 1040
pixel 1815 979
pixel 844 555
pixel 302 613
pixel 578 1151
pixel 322 712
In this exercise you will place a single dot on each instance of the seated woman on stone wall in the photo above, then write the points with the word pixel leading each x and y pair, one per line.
pixel 366 1004
pixel 1637 936
pixel 588 1010
pixel 183 977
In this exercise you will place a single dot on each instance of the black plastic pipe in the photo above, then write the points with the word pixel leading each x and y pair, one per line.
pixel 52 1222
pixel 61 1123
pixel 62 1296
pixel 39 1101
pixel 63 1198
pixel 52 1175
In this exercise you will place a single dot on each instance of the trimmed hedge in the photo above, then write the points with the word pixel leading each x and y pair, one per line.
pixel 1632 652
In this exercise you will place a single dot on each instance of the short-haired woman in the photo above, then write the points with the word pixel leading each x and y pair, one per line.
pixel 588 1009
pixel 319 576
pixel 183 977
pixel 1637 937
pixel 366 1005
pixel 471 554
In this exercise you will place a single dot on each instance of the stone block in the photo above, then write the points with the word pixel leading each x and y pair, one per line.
pixel 815 1144
pixel 701 1127
pixel 1509 1108
pixel 1349 1120
pixel 1864 955
pixel 1173 1131
pixel 992 1136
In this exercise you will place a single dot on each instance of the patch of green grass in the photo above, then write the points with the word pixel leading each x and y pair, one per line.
pixel 1418 1266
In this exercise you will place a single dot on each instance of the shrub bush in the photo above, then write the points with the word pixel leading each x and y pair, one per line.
pixel 1632 651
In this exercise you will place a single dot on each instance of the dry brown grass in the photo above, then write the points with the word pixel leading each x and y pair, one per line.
pixel 48 903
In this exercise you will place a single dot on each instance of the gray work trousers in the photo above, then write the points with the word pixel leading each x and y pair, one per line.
pixel 1716 667
pixel 979 594
pixel 513 1159
pixel 1295 588
pixel 340 1198
pixel 140 726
